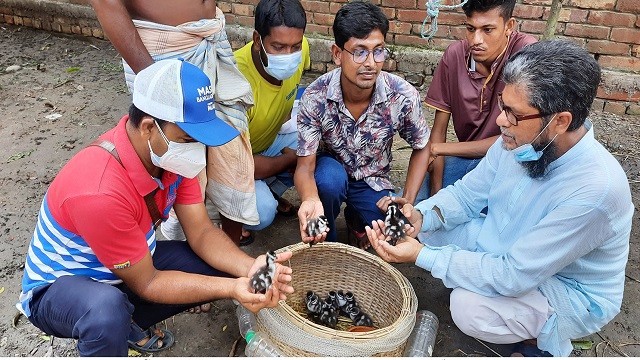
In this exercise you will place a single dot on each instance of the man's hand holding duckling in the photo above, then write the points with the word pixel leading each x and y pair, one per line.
pixel 279 288
pixel 414 216
pixel 406 250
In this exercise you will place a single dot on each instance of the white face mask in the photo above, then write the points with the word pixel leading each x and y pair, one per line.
pixel 281 67
pixel 186 159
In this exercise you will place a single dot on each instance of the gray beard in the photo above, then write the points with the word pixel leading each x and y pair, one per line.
pixel 538 169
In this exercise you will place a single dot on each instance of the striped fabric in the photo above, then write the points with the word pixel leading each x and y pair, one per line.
pixel 55 252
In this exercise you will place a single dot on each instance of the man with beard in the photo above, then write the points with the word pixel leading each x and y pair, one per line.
pixel 346 123
pixel 547 263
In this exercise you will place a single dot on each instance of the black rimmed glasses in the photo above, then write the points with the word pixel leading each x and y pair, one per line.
pixel 361 55
pixel 513 118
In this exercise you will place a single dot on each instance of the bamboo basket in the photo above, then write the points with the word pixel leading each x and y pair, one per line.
pixel 382 291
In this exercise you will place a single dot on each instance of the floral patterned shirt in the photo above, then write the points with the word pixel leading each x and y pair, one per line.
pixel 363 146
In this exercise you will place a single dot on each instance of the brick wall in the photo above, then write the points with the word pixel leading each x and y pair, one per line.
pixel 609 29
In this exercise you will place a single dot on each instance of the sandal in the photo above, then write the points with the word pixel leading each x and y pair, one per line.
pixel 136 334
pixel 357 238
pixel 529 349
pixel 247 240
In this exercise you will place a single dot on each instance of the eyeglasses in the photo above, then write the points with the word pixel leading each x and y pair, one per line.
pixel 361 55
pixel 513 118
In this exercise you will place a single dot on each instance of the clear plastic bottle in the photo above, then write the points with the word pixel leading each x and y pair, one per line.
pixel 423 336
pixel 246 320
pixel 259 345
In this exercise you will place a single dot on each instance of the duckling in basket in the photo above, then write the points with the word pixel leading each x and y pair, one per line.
pixel 316 226
pixel 314 305
pixel 394 224
pixel 329 315
pixel 262 279
pixel 360 318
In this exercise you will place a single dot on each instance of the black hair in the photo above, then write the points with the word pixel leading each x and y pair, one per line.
pixel 481 6
pixel 136 115
pixel 557 76
pixel 357 20
pixel 274 13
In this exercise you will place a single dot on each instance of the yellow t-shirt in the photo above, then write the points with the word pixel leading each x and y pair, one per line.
pixel 272 103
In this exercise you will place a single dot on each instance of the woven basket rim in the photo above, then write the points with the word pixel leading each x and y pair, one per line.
pixel 409 299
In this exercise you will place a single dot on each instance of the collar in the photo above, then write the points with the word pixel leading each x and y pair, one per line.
pixel 141 179
pixel 578 149
pixel 379 95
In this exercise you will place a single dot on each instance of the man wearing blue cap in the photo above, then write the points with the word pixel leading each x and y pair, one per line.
pixel 96 228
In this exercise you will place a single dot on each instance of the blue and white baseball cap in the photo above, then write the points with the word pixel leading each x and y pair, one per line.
pixel 177 91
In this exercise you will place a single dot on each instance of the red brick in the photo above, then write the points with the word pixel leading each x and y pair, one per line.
pixel 597 105
pixel 323 19
pixel 65 28
pixel 243 10
pixel 533 26
pixel 246 20
pixel 316 6
pixel 638 22
pixel 230 18
pixel 592 4
pixel 528 11
pixel 406 4
pixel 27 22
pixel 631 36
pixel 334 7
pixel 569 15
pixel 450 18
pixel 97 32
pixel 76 29
pixel 397 27
pixel 37 23
pixel 441 43
pixel 587 31
pixel 17 20
pixel 635 50
pixel 458 32
pixel 225 6
pixel 250 2
pixel 537 2
pixel 612 95
pixel 610 18
pixel 319 29
pixel 86 31
pixel 620 62
pixel 607 47
pixel 390 13
pixel 411 15
pixel 632 6
pixel 615 107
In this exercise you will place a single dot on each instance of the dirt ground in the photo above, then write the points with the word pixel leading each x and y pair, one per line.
pixel 69 90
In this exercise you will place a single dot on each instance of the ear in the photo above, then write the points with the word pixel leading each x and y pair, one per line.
pixel 256 38
pixel 337 54
pixel 510 26
pixel 563 120
pixel 146 126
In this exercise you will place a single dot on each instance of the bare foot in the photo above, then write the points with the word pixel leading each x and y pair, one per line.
pixel 204 308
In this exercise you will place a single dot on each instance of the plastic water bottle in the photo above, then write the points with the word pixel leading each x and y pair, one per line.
pixel 246 320
pixel 423 336
pixel 259 345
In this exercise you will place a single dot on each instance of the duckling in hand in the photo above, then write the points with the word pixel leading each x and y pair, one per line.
pixel 262 279
pixel 394 224
pixel 316 226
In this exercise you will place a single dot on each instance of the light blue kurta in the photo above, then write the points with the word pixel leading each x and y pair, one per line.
pixel 566 235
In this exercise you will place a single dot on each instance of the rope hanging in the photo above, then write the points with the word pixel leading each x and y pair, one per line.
pixel 433 8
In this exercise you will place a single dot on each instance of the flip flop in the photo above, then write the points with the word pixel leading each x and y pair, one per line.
pixel 247 240
pixel 527 349
pixel 136 334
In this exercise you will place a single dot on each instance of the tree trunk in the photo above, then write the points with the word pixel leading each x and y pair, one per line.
pixel 554 14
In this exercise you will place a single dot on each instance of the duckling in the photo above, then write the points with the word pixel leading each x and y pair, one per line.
pixel 394 224
pixel 360 318
pixel 262 279
pixel 314 305
pixel 316 226
pixel 340 299
pixel 329 315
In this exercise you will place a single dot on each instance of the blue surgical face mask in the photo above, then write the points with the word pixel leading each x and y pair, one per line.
pixel 526 152
pixel 281 67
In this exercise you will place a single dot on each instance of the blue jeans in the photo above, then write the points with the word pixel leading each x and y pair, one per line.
pixel 266 203
pixel 454 169
pixel 335 187
pixel 99 315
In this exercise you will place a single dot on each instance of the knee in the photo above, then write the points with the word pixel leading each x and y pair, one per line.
pixel 464 312
pixel 267 209
pixel 109 310
pixel 331 176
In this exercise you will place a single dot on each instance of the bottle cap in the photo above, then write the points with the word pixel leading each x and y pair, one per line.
pixel 250 335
